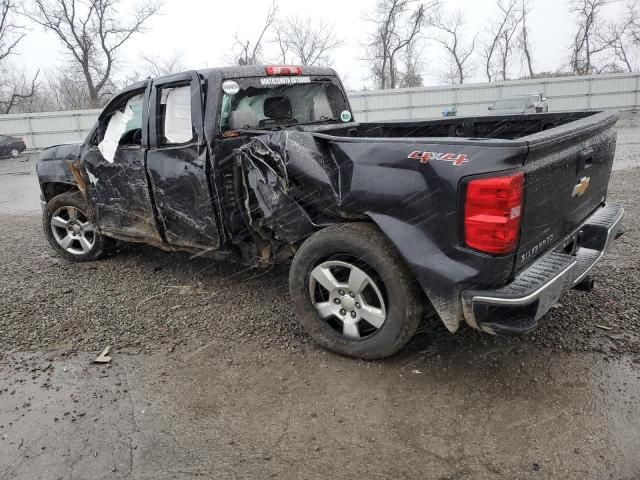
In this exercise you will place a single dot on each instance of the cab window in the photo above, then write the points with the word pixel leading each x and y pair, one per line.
pixel 255 103
pixel 175 125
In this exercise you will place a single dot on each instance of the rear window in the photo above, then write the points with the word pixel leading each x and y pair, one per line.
pixel 269 102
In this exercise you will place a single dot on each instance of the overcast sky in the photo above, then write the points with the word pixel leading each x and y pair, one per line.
pixel 204 30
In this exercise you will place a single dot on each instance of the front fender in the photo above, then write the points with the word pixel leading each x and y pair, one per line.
pixel 52 166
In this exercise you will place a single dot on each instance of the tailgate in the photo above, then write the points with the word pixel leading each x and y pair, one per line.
pixel 567 173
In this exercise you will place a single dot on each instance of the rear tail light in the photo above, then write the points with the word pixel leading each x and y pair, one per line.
pixel 282 70
pixel 492 213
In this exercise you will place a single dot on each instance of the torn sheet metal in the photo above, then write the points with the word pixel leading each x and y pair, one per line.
pixel 120 197
pixel 290 210
pixel 270 204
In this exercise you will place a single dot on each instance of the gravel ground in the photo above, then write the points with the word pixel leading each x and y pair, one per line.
pixel 141 296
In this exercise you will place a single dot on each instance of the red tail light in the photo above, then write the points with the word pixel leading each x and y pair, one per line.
pixel 282 70
pixel 492 212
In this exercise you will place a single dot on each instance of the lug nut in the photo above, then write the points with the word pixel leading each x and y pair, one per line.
pixel 341 292
pixel 353 315
pixel 352 295
pixel 357 305
pixel 336 301
pixel 343 311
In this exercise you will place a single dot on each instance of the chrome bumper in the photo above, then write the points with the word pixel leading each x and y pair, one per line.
pixel 516 307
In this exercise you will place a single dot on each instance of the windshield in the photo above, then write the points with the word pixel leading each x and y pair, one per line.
pixel 509 103
pixel 268 102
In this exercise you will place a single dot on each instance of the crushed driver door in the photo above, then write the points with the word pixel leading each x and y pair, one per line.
pixel 114 163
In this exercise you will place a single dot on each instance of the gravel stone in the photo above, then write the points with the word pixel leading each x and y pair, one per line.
pixel 142 296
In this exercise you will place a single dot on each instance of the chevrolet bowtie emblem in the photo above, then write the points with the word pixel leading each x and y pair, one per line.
pixel 581 187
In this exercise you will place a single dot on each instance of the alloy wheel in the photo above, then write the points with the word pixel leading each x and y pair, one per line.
pixel 72 230
pixel 347 299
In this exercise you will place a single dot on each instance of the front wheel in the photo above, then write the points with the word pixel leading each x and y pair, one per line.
pixel 15 153
pixel 69 230
pixel 353 293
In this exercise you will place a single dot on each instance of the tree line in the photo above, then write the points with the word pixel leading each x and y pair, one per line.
pixel 401 35
pixel 404 28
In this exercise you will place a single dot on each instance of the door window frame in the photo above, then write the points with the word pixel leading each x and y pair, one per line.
pixel 179 80
pixel 116 103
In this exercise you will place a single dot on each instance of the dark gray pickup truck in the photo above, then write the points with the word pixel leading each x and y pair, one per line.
pixel 485 220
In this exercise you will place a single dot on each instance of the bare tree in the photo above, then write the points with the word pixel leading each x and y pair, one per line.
pixel 624 40
pixel 153 66
pixel 621 43
pixel 633 23
pixel 501 39
pixel 11 33
pixel 524 43
pixel 250 52
pixel 410 76
pixel 589 39
pixel 93 32
pixel 67 90
pixel 453 43
pixel 398 26
pixel 15 88
pixel 161 65
pixel 305 41
pixel 16 91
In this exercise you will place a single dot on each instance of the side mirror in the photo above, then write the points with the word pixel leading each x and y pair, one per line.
pixel 490 107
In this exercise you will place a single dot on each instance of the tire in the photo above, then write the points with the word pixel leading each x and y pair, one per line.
pixel 83 242
pixel 15 153
pixel 390 291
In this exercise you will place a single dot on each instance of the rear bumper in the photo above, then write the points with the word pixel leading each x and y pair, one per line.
pixel 516 307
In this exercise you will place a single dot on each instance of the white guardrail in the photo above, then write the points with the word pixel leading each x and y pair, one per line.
pixel 595 92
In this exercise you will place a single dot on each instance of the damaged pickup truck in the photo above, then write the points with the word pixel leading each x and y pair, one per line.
pixel 483 220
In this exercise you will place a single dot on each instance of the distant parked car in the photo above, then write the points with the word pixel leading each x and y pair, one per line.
pixel 526 103
pixel 11 146
pixel 450 111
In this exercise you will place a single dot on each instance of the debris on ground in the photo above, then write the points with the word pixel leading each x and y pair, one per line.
pixel 103 357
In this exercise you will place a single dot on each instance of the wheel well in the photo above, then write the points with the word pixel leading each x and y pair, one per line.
pixel 50 190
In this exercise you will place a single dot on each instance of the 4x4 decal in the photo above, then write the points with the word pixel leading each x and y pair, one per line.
pixel 457 159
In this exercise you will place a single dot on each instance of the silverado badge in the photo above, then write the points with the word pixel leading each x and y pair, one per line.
pixel 581 187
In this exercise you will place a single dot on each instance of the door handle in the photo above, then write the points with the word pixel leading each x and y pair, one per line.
pixel 585 159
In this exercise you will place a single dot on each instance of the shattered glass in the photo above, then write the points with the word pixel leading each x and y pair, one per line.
pixel 120 123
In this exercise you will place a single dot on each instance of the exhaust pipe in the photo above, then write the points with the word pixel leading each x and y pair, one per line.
pixel 586 285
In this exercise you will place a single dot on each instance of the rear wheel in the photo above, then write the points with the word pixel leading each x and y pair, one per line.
pixel 15 153
pixel 69 230
pixel 353 293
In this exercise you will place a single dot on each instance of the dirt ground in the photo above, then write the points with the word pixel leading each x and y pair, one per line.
pixel 212 378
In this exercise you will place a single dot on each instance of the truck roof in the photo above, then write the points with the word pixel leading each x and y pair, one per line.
pixel 259 71
pixel 235 72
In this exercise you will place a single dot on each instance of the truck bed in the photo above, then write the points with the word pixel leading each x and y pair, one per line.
pixel 558 150
pixel 506 127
